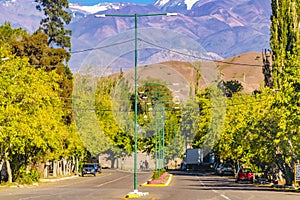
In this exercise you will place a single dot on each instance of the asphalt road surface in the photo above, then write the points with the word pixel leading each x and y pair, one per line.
pixel 210 187
pixel 112 184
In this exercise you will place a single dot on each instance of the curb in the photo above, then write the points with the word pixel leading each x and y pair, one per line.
pixel 45 180
pixel 135 195
pixel 167 183
pixel 279 187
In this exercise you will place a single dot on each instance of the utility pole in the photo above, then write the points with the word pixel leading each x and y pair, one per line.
pixel 135 16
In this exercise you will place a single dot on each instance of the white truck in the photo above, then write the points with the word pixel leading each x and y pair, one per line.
pixel 193 158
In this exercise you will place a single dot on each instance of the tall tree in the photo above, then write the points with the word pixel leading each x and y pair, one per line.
pixel 285 37
pixel 30 119
pixel 40 55
pixel 54 23
pixel 285 43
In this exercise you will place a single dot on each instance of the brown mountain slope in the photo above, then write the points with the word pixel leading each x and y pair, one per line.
pixel 246 68
pixel 180 76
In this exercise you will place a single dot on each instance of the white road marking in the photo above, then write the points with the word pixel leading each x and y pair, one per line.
pixel 225 197
pixel 221 195
pixel 113 180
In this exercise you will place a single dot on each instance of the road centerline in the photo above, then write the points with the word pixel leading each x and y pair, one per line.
pixel 100 185
pixel 220 194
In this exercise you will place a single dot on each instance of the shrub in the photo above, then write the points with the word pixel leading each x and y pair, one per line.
pixel 28 177
pixel 158 173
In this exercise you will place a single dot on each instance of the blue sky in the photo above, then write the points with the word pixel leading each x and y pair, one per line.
pixel 94 2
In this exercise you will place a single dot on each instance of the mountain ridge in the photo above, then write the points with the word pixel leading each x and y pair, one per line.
pixel 223 28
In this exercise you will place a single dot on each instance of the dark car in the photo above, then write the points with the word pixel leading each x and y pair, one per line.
pixel 218 167
pixel 224 169
pixel 91 168
pixel 227 169
pixel 245 174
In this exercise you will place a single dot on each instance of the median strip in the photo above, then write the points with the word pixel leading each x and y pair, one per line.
pixel 163 181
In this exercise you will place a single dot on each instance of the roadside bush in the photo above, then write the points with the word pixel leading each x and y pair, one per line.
pixel 28 177
pixel 158 173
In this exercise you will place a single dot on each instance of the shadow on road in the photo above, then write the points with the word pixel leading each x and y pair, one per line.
pixel 209 181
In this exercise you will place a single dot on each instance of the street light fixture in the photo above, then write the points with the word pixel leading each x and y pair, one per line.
pixel 135 77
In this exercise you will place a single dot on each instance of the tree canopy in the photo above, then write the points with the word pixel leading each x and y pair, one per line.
pixel 54 23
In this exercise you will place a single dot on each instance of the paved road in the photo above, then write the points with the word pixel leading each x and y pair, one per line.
pixel 111 185
pixel 211 187
pixel 108 185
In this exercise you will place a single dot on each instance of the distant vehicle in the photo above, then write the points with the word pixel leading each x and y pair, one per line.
pixel 91 168
pixel 245 174
pixel 224 169
pixel 227 169
pixel 193 158
pixel 218 168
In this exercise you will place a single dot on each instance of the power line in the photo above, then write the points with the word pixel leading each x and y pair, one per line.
pixel 102 47
pixel 198 57
pixel 165 48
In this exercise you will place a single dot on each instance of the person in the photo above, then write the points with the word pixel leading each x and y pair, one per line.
pixel 241 169
pixel 146 164
pixel 141 165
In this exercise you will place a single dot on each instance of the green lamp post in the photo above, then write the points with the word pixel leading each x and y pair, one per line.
pixel 136 16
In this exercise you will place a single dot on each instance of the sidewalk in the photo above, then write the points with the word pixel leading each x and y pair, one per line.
pixel 278 187
pixel 54 179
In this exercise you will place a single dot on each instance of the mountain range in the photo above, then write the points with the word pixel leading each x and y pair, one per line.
pixel 220 28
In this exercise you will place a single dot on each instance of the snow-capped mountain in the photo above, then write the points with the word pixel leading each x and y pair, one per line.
pixel 96 8
pixel 187 4
pixel 20 13
pixel 224 28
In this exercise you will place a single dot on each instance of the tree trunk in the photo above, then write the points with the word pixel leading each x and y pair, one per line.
pixel 1 165
pixel 289 175
pixel 9 172
pixel 112 162
pixel 287 170
pixel 59 168
pixel 46 168
pixel 54 163
pixel 64 164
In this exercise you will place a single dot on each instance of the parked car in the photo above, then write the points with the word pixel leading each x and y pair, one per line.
pixel 245 174
pixel 224 169
pixel 91 168
pixel 218 168
pixel 227 169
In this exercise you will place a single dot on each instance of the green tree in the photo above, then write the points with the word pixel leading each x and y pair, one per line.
pixel 231 87
pixel 235 141
pixel 8 34
pixel 87 123
pixel 284 37
pixel 212 109
pixel 285 48
pixel 156 114
pixel 41 56
pixel 31 125
pixel 189 122
pixel 110 115
pixel 54 23
pixel 175 140
pixel 256 134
